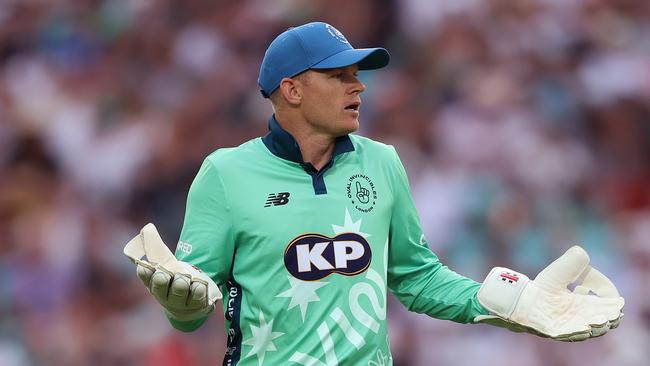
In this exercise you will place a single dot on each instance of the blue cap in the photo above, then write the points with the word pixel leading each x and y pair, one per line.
pixel 313 46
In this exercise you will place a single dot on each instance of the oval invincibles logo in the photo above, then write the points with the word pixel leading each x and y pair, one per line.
pixel 311 257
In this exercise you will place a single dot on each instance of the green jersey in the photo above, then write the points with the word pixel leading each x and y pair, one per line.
pixel 305 258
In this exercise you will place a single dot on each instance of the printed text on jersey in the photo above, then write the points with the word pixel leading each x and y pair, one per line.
pixel 312 256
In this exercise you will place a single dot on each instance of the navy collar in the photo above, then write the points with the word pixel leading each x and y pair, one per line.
pixel 283 145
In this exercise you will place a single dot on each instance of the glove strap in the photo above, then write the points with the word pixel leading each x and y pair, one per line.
pixel 501 291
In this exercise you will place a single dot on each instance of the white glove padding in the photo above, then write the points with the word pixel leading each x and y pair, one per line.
pixel 185 292
pixel 546 307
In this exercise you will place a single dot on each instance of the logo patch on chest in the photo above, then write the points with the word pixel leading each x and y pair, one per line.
pixel 361 192
pixel 312 257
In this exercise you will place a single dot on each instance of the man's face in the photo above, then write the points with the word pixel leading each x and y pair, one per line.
pixel 331 101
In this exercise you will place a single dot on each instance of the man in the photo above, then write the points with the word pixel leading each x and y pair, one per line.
pixel 305 229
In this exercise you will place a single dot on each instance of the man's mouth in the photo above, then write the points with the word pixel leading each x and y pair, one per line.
pixel 353 106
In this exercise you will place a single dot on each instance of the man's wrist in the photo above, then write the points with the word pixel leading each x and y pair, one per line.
pixel 501 291
pixel 187 325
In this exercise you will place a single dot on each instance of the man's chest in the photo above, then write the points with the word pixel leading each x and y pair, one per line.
pixel 278 217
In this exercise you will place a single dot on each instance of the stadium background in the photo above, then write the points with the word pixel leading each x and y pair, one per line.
pixel 524 126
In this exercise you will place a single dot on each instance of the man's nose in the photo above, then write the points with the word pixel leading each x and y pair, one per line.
pixel 359 87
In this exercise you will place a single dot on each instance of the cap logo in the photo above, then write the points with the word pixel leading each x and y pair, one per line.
pixel 336 33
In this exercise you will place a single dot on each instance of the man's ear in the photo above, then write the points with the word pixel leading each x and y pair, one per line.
pixel 291 91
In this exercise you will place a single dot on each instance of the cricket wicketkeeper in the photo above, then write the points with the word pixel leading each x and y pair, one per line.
pixel 304 230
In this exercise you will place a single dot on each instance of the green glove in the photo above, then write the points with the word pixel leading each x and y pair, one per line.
pixel 183 290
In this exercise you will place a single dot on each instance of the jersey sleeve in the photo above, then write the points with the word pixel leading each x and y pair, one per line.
pixel 206 240
pixel 415 274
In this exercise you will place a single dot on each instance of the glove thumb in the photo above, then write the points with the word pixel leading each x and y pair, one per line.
pixel 564 270
pixel 594 281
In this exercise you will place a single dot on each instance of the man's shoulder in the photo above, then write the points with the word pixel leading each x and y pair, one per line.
pixel 228 157
pixel 367 145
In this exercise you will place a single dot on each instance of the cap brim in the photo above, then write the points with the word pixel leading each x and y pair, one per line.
pixel 366 58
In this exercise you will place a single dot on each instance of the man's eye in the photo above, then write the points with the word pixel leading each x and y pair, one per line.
pixel 338 76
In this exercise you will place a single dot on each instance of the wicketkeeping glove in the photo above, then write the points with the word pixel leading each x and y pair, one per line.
pixel 546 307
pixel 185 292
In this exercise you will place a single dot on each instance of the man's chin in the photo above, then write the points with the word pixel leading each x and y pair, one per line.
pixel 343 127
pixel 350 127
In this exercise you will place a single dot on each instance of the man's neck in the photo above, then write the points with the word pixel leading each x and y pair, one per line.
pixel 316 147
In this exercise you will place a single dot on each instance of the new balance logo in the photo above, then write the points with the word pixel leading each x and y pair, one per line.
pixel 279 199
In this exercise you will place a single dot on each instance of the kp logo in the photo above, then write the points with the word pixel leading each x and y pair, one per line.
pixel 312 257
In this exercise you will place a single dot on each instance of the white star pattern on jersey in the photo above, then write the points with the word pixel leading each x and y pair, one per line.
pixel 262 339
pixel 304 292
pixel 349 226
pixel 301 294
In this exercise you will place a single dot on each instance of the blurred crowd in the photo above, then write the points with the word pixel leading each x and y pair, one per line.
pixel 524 127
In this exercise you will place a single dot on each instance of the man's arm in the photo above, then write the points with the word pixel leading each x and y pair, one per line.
pixel 544 306
pixel 415 275
pixel 186 284
pixel 206 240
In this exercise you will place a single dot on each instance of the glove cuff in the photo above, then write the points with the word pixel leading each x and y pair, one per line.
pixel 501 291
pixel 184 317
